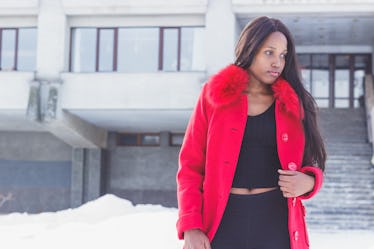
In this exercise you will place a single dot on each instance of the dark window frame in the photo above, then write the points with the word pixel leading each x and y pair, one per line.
pixel 115 49
pixel 14 66
pixel 161 47
pixel 171 139
pixel 139 137
pixel 150 134
pixel 97 48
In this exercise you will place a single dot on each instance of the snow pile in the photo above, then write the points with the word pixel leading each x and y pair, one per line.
pixel 112 222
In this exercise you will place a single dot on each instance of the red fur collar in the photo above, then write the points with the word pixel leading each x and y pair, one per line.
pixel 226 87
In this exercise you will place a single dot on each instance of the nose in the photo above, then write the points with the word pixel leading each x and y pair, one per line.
pixel 276 63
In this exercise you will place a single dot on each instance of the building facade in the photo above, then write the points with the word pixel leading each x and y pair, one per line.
pixel 96 95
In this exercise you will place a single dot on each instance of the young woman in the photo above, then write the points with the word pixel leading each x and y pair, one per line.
pixel 252 150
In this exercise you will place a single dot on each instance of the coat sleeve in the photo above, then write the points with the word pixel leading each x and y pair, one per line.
pixel 318 179
pixel 190 175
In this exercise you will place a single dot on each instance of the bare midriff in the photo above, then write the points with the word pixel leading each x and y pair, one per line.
pixel 252 191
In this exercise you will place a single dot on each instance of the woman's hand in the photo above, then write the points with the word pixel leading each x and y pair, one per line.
pixel 196 239
pixel 294 183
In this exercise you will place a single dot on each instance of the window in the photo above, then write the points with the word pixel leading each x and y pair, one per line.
pixel 8 49
pixel 83 49
pixel 143 49
pixel 106 50
pixel 335 80
pixel 17 49
pixel 138 139
pixel 170 49
pixel 128 139
pixel 182 49
pixel 150 139
pixel 26 49
pixel 176 139
pixel 138 49
pixel 192 49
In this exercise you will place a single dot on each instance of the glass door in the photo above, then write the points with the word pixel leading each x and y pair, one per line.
pixel 335 80
pixel 341 81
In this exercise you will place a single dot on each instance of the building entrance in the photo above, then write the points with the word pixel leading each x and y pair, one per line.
pixel 335 80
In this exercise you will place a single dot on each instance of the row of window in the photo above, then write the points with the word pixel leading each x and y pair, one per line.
pixel 137 49
pixel 146 49
pixel 147 139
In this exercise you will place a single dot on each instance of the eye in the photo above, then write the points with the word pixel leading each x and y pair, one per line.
pixel 283 56
pixel 268 52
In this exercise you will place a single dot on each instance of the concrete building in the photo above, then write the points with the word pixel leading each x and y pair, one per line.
pixel 95 95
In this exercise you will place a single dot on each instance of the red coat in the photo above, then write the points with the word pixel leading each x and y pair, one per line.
pixel 211 147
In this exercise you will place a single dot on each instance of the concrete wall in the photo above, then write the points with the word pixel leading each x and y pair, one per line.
pixel 106 91
pixel 35 172
pixel 40 173
pixel 143 174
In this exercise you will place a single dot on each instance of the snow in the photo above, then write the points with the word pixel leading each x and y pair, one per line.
pixel 112 222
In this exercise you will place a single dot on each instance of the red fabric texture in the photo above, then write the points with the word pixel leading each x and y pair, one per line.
pixel 211 147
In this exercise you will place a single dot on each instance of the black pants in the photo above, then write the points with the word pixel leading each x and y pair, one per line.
pixel 258 221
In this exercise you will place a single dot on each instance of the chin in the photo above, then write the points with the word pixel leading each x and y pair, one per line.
pixel 269 82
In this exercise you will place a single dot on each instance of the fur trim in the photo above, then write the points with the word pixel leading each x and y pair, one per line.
pixel 226 87
pixel 286 95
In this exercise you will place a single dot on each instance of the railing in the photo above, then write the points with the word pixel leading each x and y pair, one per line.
pixel 369 105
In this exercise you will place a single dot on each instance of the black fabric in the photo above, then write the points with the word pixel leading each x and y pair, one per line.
pixel 258 160
pixel 258 221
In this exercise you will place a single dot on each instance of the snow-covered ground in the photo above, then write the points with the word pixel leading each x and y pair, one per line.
pixel 112 222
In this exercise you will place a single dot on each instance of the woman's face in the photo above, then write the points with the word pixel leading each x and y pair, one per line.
pixel 269 60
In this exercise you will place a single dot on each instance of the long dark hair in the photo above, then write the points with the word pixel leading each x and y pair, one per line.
pixel 250 40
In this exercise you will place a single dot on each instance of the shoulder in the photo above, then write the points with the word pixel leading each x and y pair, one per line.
pixel 226 86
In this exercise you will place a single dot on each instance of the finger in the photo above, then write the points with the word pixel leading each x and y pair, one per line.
pixel 285 194
pixel 207 245
pixel 283 184
pixel 283 189
pixel 285 178
pixel 287 172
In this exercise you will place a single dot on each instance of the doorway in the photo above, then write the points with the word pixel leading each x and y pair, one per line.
pixel 335 80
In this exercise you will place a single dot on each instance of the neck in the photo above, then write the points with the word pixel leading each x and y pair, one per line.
pixel 259 89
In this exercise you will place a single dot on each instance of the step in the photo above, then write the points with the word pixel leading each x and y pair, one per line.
pixel 346 200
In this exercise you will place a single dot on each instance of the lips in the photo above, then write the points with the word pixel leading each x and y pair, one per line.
pixel 274 73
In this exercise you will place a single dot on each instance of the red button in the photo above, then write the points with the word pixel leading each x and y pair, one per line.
pixel 296 235
pixel 292 166
pixel 284 137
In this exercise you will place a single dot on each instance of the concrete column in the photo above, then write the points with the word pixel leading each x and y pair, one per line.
pixel 51 39
pixel 77 178
pixel 164 139
pixel 45 98
pixel 111 140
pixel 85 175
pixel 221 35
pixel 92 175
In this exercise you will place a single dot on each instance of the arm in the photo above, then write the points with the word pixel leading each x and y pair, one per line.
pixel 190 175
pixel 304 183
pixel 318 179
pixel 196 239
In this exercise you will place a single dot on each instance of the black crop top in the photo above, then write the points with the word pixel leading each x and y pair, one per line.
pixel 258 159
